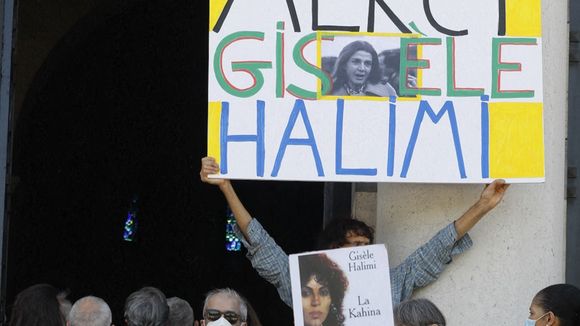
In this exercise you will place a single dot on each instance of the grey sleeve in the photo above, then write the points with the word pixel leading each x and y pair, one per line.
pixel 426 264
pixel 267 258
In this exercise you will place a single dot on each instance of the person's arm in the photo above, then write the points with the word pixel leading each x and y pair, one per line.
pixel 267 258
pixel 425 265
pixel 243 217
pixel 491 195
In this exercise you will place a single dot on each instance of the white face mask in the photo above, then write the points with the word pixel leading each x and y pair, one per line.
pixel 220 322
pixel 531 322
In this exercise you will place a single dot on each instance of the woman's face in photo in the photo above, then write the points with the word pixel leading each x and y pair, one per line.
pixel 315 302
pixel 358 68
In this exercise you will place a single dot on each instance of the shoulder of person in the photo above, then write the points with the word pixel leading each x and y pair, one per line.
pixel 379 89
pixel 339 91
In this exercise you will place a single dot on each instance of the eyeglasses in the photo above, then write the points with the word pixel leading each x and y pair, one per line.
pixel 214 314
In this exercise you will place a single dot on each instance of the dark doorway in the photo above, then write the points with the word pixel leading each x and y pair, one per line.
pixel 117 110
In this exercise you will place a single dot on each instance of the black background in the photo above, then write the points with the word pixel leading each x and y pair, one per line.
pixel 119 109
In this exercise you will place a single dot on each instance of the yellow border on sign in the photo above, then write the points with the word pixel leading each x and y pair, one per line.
pixel 524 18
pixel 516 140
pixel 214 115
pixel 215 10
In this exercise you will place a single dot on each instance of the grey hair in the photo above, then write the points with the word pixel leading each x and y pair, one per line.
pixel 146 307
pixel 90 311
pixel 180 312
pixel 231 294
pixel 64 304
pixel 418 312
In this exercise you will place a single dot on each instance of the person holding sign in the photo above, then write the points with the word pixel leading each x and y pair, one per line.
pixel 323 285
pixel 357 72
pixel 419 269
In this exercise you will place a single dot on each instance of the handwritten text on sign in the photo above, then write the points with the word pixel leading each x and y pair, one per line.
pixel 396 91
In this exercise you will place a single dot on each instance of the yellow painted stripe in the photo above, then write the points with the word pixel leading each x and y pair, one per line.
pixel 516 140
pixel 214 115
pixel 215 10
pixel 319 63
pixel 524 18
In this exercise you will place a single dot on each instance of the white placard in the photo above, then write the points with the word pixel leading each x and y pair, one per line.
pixel 407 91
pixel 349 284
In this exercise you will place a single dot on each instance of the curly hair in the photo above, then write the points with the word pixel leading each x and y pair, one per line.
pixel 334 234
pixel 326 272
pixel 339 73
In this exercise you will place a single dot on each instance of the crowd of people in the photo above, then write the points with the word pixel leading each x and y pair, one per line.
pixel 323 285
pixel 44 305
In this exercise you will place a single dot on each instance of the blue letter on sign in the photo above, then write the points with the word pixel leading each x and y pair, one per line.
pixel 339 169
pixel 425 107
pixel 258 138
pixel 299 108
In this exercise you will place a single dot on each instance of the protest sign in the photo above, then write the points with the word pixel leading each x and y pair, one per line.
pixel 376 91
pixel 349 284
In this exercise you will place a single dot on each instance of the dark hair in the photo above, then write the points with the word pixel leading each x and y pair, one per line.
pixel 563 300
pixel 392 62
pixel 334 235
pixel 418 312
pixel 37 305
pixel 327 273
pixel 391 58
pixel 339 74
pixel 327 64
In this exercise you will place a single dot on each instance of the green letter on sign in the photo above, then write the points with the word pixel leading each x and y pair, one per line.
pixel 497 66
pixel 251 67
pixel 407 63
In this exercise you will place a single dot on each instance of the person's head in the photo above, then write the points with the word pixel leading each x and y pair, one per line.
pixel 180 312
pixel 327 64
pixel 252 318
pixel 224 307
pixel 556 305
pixel 389 61
pixel 64 303
pixel 418 312
pixel 356 65
pixel 345 232
pixel 383 63
pixel 323 285
pixel 37 305
pixel 90 311
pixel 146 307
